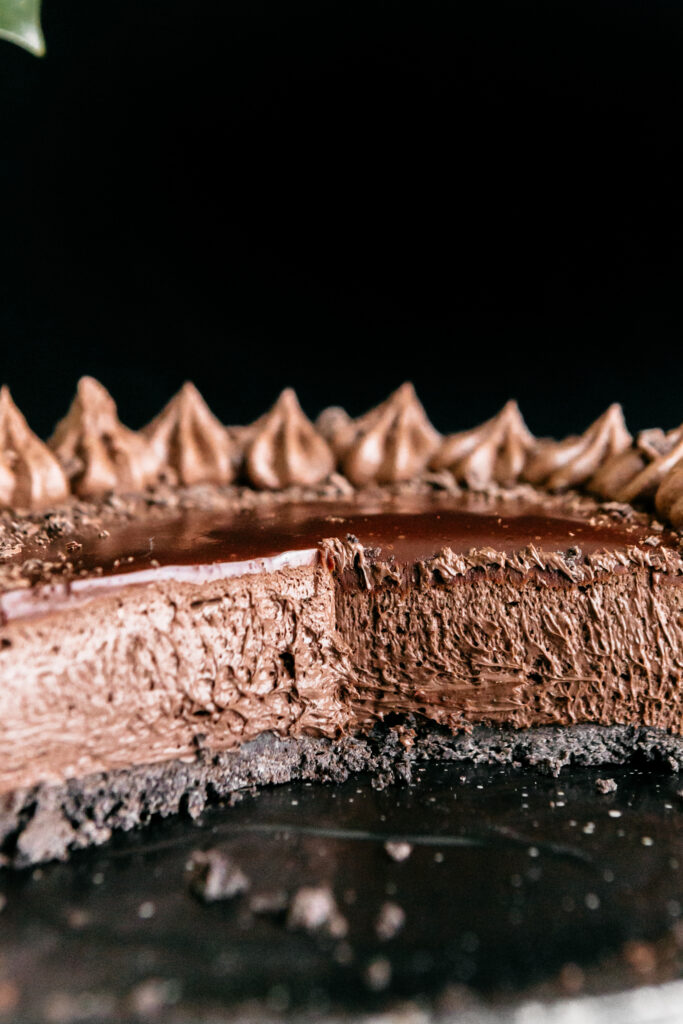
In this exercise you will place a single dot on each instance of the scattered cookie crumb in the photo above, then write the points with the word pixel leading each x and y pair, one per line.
pixel 314 909
pixel 390 920
pixel 215 876
pixel 152 996
pixel 77 918
pixel 378 974
pixel 605 786
pixel 571 979
pixel 398 851
pixel 268 902
pixel 641 957
pixel 9 996
pixel 406 736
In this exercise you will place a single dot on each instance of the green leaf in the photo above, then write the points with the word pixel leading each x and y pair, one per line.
pixel 20 23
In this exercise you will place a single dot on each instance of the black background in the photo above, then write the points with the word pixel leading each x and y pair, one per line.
pixel 483 197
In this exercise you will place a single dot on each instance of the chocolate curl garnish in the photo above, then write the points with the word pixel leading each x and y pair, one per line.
pixel 189 444
pixel 286 449
pixel 558 465
pixel 645 483
pixel 96 451
pixel 30 475
pixel 391 443
pixel 669 497
pixel 494 452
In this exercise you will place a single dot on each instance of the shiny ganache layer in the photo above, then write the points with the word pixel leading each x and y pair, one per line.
pixel 321 618
pixel 197 545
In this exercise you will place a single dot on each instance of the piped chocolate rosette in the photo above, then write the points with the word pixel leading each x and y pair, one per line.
pixel 92 454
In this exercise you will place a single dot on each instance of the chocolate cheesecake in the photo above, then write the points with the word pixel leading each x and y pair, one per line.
pixel 194 609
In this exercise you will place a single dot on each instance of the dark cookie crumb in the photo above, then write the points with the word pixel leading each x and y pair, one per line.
pixel 269 902
pixel 377 974
pixel 398 851
pixel 215 876
pixel 314 909
pixel 390 921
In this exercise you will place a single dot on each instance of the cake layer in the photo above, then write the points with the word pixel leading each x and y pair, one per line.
pixel 140 675
pixel 523 649
pixel 204 628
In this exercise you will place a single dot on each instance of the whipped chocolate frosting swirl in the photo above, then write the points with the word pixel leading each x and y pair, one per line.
pixel 559 465
pixel 30 475
pixel 664 452
pixel 616 472
pixel 93 454
pixel 495 452
pixel 285 448
pixel 96 451
pixel 637 472
pixel 190 445
pixel 391 443
pixel 669 497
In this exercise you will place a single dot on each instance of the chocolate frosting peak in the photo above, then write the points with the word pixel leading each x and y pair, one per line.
pixel 391 443
pixel 637 472
pixel 559 465
pixel 30 475
pixel 97 452
pixel 190 445
pixel 286 449
pixel 669 497
pixel 663 453
pixel 495 452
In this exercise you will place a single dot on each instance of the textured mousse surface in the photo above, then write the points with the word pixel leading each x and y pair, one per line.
pixel 526 650
pixel 138 676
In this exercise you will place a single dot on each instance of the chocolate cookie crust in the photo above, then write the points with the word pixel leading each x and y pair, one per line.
pixel 48 822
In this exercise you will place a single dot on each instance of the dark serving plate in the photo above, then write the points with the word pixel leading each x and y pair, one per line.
pixel 525 897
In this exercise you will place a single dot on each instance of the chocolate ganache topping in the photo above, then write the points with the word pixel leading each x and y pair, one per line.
pixel 495 452
pixel 559 465
pixel 190 445
pixel 391 443
pixel 30 475
pixel 286 449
